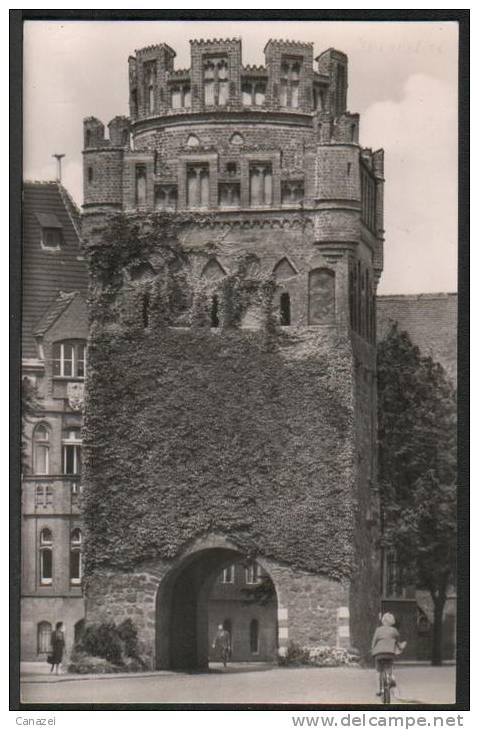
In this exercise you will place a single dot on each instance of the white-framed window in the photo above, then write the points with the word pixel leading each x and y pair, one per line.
pixel 76 556
pixel 253 573
pixel 43 495
pixel 46 556
pixel 69 359
pixel 41 449
pixel 227 575
pixel 44 636
pixel 71 451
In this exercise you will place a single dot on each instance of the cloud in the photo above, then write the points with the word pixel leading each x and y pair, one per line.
pixel 419 136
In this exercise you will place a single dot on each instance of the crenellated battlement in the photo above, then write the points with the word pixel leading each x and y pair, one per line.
pixel 208 42
pixel 94 133
pixel 217 79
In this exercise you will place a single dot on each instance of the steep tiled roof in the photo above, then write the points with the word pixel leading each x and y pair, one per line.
pixel 429 319
pixel 46 273
pixel 56 308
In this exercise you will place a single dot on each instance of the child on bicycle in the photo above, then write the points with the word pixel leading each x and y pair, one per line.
pixel 385 645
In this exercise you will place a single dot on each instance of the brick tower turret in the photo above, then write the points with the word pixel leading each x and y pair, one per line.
pixel 244 421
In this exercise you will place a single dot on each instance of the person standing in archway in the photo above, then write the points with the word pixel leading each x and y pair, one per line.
pixel 223 643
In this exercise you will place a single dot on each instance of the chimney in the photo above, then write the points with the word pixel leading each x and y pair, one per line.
pixel 58 158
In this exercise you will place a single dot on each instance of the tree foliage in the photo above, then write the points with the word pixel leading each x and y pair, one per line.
pixel 417 468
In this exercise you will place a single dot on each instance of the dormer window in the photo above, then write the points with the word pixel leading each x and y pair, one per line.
pixel 69 359
pixel 51 236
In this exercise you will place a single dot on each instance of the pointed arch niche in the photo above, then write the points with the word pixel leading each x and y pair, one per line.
pixel 236 138
pixel 321 296
pixel 213 271
pixel 284 269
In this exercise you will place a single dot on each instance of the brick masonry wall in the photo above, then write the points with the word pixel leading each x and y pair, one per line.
pixel 307 605
pixel 107 169
pixel 429 319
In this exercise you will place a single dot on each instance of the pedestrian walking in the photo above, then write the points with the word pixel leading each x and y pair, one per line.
pixel 58 647
pixel 223 643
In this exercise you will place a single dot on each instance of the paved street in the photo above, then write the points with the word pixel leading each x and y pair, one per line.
pixel 244 684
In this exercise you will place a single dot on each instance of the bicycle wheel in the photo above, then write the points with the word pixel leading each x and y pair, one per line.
pixel 386 693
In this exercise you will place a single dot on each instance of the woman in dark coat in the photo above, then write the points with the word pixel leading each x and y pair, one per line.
pixel 58 646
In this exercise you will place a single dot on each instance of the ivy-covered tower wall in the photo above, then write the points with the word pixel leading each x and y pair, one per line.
pixel 234 231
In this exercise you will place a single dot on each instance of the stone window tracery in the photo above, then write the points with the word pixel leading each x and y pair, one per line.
pixel 215 81
pixel 197 186
pixel 229 195
pixel 292 192
pixel 180 96
pixel 166 197
pixel 261 184
pixel 149 74
pixel 289 84
pixel 253 92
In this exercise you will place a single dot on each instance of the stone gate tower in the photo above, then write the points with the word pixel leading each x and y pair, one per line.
pixel 231 394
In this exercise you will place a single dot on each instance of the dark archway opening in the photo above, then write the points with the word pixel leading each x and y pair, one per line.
pixel 196 597
pixel 285 310
pixel 215 320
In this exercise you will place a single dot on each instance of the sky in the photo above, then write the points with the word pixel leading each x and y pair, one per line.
pixel 402 81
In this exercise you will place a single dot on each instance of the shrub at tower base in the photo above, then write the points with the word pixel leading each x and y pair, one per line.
pixel 192 430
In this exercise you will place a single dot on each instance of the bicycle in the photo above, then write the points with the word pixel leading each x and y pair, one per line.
pixel 386 679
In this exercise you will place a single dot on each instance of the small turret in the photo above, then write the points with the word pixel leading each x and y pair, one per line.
pixel 148 75
pixel 119 131
pixel 334 64
pixel 93 133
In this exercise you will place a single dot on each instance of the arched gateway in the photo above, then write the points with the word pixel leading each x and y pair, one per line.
pixel 213 432
pixel 186 615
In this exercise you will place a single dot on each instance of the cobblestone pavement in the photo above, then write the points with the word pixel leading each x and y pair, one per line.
pixel 261 684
